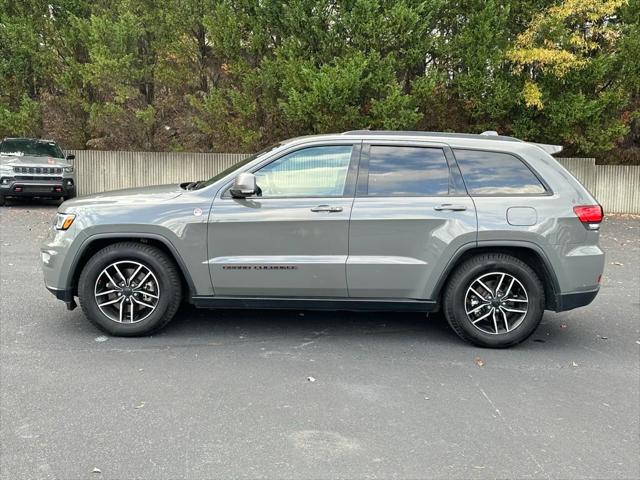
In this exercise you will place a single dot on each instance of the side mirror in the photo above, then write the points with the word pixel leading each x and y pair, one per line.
pixel 244 185
pixel 70 156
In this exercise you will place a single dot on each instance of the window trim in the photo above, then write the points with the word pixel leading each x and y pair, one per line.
pixel 547 189
pixel 350 181
pixel 456 186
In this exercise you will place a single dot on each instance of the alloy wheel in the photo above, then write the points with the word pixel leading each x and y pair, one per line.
pixel 127 291
pixel 496 303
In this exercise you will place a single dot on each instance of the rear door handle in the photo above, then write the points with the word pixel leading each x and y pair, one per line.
pixel 326 208
pixel 451 207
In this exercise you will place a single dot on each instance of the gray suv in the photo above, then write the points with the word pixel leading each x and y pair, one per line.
pixel 31 167
pixel 489 229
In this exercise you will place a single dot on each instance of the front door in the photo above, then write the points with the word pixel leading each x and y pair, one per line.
pixel 291 239
pixel 410 215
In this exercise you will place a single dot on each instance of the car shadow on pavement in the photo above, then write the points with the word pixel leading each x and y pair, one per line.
pixel 192 326
pixel 190 322
pixel 293 325
pixel 31 203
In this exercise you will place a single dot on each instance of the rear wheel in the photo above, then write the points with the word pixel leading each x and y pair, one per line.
pixel 129 289
pixel 494 300
pixel 2 201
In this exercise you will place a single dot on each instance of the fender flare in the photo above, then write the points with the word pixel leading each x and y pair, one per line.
pixel 130 236
pixel 468 247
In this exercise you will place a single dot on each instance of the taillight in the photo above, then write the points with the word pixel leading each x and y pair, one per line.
pixel 589 215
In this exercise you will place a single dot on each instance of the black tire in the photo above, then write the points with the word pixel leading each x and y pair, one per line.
pixel 2 201
pixel 472 269
pixel 157 262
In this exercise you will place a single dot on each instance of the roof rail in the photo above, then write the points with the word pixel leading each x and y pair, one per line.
pixel 487 135
pixel 409 133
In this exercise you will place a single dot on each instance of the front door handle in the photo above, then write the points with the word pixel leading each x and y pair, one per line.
pixel 451 207
pixel 326 208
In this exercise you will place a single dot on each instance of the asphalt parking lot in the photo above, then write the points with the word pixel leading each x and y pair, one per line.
pixel 227 393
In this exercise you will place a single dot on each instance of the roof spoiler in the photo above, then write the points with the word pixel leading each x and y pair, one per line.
pixel 550 149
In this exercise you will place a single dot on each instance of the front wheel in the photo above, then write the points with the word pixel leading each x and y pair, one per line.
pixel 129 289
pixel 494 300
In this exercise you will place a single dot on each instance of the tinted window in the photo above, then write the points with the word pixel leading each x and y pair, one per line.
pixel 407 171
pixel 491 173
pixel 30 147
pixel 310 172
pixel 238 165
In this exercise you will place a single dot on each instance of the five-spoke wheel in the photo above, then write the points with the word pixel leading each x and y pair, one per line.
pixel 130 288
pixel 494 300
pixel 127 291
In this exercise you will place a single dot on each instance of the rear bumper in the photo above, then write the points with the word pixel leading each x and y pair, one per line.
pixel 569 301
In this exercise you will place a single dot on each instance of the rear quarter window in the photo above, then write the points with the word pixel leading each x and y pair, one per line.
pixel 496 173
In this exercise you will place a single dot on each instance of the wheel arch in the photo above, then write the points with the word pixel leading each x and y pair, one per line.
pixel 529 253
pixel 97 242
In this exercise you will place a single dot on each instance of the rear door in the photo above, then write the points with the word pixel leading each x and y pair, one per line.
pixel 291 239
pixel 410 215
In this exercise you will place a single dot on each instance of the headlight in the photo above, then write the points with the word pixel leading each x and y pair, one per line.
pixel 68 169
pixel 64 220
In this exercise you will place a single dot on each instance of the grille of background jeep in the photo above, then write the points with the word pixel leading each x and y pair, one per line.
pixel 36 178
pixel 38 170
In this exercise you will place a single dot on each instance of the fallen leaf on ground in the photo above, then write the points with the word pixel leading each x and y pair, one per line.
pixel 96 470
pixel 617 263
pixel 563 326
pixel 139 406
pixel 311 379
pixel 574 364
pixel 479 362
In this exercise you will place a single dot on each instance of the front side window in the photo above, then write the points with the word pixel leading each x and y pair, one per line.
pixel 407 171
pixel 310 172
pixel 494 173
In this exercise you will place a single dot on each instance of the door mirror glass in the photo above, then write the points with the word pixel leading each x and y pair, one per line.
pixel 244 185
pixel 70 156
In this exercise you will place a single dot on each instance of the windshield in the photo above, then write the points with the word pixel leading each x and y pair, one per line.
pixel 238 165
pixel 25 146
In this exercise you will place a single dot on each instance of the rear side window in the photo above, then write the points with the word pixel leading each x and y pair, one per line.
pixel 407 171
pixel 493 173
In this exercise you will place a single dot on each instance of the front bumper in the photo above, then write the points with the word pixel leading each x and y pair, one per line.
pixel 66 295
pixel 44 187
